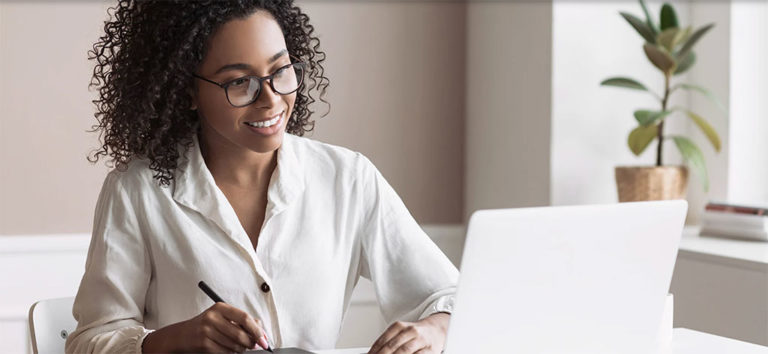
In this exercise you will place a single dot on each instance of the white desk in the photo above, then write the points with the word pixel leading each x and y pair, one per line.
pixel 685 341
pixel 688 341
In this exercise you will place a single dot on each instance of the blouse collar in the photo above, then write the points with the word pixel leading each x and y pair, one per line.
pixel 195 187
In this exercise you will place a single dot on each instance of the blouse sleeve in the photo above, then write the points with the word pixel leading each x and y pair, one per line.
pixel 411 276
pixel 109 306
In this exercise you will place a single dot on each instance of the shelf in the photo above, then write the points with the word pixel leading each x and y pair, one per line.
pixel 745 253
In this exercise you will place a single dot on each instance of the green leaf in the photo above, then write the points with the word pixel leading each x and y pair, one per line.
pixel 647 117
pixel 668 17
pixel 648 18
pixel 686 63
pixel 695 158
pixel 641 27
pixel 640 137
pixel 706 128
pixel 692 40
pixel 706 94
pixel 660 58
pixel 669 38
pixel 624 82
pixel 685 34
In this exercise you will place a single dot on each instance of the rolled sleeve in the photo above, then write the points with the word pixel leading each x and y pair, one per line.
pixel 109 306
pixel 442 301
pixel 411 276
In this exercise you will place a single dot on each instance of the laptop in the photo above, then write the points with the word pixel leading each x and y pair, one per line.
pixel 571 279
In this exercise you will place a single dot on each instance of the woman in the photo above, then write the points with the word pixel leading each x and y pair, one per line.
pixel 195 102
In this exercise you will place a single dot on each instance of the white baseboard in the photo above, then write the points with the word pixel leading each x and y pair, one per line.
pixel 36 267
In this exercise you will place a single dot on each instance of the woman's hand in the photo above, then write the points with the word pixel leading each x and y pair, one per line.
pixel 425 336
pixel 220 328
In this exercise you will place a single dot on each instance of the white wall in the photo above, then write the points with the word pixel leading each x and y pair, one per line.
pixel 509 53
pixel 732 65
pixel 590 123
pixel 748 164
pixel 712 70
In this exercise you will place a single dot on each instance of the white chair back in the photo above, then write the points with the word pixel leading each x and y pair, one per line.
pixel 50 322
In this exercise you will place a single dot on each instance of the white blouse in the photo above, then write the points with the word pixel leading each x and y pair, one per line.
pixel 330 218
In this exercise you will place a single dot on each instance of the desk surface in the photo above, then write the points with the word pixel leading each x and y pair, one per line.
pixel 685 341
pixel 753 253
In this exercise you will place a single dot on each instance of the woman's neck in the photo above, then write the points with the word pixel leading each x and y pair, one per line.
pixel 235 166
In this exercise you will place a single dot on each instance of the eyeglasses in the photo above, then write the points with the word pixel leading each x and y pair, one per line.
pixel 245 90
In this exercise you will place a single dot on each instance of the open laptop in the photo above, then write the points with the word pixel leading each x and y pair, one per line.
pixel 573 279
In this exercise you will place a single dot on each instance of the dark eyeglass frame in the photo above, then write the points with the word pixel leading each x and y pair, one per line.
pixel 268 79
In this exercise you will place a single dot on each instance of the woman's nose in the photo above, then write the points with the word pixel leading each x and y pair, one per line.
pixel 268 95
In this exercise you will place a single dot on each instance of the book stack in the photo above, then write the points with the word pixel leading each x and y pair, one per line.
pixel 738 221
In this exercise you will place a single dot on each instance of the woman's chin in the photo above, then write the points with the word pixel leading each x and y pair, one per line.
pixel 268 143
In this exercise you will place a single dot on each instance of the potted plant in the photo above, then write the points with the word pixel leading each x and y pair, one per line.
pixel 669 47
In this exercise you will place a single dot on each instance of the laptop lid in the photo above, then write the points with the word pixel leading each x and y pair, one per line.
pixel 572 279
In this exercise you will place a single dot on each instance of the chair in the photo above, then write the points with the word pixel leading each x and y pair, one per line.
pixel 50 322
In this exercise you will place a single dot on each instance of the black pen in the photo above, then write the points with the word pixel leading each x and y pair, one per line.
pixel 216 298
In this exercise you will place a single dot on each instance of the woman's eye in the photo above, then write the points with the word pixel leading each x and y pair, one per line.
pixel 240 82
pixel 279 72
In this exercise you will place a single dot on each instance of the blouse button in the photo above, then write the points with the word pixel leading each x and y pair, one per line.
pixel 265 287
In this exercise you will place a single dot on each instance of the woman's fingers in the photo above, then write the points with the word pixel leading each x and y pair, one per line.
pixel 223 327
pixel 395 337
pixel 220 316
pixel 233 331
pixel 422 337
pixel 225 341
pixel 215 326
pixel 415 345
pixel 390 333
pixel 251 326
pixel 212 346
pixel 405 342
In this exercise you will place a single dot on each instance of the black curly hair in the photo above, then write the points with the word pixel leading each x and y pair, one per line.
pixel 145 61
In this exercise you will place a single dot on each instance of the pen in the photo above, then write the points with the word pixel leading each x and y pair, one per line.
pixel 216 298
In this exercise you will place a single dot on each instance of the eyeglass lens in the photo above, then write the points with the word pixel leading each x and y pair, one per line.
pixel 284 81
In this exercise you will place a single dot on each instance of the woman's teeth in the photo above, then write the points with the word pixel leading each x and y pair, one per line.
pixel 266 123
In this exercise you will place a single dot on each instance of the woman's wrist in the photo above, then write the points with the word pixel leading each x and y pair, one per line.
pixel 152 343
pixel 439 319
pixel 161 340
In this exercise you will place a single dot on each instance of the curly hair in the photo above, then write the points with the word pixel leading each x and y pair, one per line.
pixel 145 61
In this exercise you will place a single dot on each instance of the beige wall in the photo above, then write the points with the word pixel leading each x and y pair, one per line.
pixel 397 93
pixel 509 79
pixel 46 183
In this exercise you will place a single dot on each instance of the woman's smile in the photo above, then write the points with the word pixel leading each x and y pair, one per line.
pixel 268 126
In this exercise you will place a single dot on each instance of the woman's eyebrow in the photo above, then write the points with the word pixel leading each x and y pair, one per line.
pixel 243 66
pixel 278 55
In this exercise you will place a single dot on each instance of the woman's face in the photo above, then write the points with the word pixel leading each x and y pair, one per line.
pixel 242 47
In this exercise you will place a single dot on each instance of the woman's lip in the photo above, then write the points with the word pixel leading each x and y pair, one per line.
pixel 266 119
pixel 268 131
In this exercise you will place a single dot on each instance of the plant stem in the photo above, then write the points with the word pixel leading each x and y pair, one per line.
pixel 660 133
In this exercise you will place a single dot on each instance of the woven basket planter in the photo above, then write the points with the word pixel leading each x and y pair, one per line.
pixel 651 183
